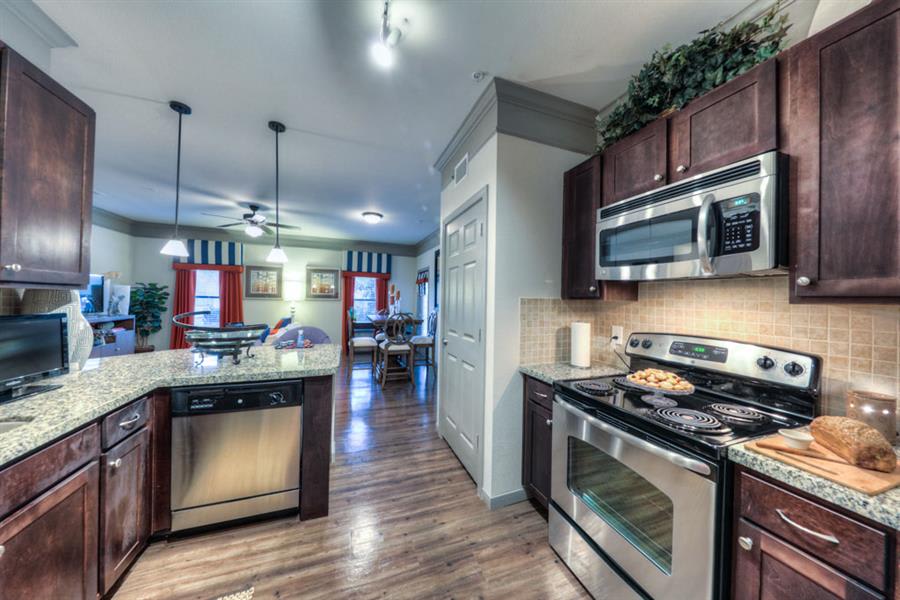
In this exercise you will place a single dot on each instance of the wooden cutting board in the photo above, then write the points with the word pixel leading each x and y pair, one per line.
pixel 830 466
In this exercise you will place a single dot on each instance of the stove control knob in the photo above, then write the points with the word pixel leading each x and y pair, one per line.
pixel 634 342
pixel 793 369
pixel 764 362
pixel 646 343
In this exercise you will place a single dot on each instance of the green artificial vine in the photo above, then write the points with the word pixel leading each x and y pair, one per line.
pixel 672 78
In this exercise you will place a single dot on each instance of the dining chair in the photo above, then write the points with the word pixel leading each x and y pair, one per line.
pixel 426 344
pixel 359 343
pixel 395 347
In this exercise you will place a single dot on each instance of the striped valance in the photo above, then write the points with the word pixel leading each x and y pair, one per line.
pixel 367 262
pixel 213 252
pixel 422 276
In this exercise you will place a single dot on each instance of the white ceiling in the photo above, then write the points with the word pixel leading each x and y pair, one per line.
pixel 359 138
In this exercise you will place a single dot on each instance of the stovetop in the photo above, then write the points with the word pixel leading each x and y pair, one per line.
pixel 736 397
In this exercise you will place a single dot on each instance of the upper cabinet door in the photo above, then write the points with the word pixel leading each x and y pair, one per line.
pixel 635 164
pixel 843 136
pixel 581 197
pixel 46 178
pixel 735 121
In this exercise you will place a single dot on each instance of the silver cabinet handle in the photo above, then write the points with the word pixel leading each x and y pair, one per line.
pixel 115 464
pixel 827 537
pixel 745 543
pixel 2 550
pixel 657 177
pixel 549 422
pixel 130 422
pixel 702 239
pixel 540 395
pixel 14 267
pixel 673 457
pixel 803 281
pixel 681 168
pixel 593 288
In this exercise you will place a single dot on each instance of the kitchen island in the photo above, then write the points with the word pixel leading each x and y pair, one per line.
pixel 86 471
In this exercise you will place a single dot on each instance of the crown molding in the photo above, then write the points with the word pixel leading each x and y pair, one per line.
pixel 432 240
pixel 37 21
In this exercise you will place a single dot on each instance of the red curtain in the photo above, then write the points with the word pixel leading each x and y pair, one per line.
pixel 185 284
pixel 231 307
pixel 381 294
pixel 349 282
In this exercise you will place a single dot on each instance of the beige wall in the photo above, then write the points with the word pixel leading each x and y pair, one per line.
pixel 858 343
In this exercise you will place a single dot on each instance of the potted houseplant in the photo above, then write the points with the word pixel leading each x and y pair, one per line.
pixel 148 303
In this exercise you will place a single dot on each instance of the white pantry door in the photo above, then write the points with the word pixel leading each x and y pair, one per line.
pixel 461 410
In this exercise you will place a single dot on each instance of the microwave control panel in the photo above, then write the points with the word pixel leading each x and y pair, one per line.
pixel 739 223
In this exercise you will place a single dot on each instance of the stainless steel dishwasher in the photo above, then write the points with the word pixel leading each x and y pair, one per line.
pixel 235 452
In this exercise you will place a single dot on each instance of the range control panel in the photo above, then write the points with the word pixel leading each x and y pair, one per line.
pixel 739 220
pixel 761 363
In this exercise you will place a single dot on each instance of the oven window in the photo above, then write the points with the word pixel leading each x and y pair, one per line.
pixel 630 504
pixel 664 239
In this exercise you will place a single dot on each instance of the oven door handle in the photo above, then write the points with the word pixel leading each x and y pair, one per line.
pixel 680 460
pixel 702 237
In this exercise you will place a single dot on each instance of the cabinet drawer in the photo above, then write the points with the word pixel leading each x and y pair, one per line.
pixel 539 392
pixel 841 541
pixel 125 421
pixel 26 479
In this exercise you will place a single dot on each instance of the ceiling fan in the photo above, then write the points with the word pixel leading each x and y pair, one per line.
pixel 255 224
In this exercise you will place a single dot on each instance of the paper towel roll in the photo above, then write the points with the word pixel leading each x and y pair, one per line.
pixel 581 344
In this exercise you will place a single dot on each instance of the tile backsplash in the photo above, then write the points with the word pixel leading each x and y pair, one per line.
pixel 858 343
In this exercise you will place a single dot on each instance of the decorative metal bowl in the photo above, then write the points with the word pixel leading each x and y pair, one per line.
pixel 219 341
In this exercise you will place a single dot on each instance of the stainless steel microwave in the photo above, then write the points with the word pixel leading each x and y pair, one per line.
pixel 726 222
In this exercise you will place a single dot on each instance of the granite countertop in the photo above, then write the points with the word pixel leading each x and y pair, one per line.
pixel 883 508
pixel 116 381
pixel 550 372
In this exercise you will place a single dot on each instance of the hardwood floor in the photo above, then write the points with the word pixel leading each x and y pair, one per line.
pixel 405 522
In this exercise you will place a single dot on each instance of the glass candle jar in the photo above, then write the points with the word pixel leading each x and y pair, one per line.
pixel 875 410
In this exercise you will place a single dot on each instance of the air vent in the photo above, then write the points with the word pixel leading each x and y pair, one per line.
pixel 682 189
pixel 461 169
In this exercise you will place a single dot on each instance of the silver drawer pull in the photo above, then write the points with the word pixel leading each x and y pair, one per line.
pixel 130 422
pixel 540 395
pixel 2 551
pixel 115 464
pixel 657 177
pixel 745 543
pixel 827 537
pixel 14 267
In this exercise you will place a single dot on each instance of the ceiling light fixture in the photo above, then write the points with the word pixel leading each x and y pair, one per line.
pixel 175 246
pixel 253 230
pixel 372 217
pixel 276 254
pixel 382 50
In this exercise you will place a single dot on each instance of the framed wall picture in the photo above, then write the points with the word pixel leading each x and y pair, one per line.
pixel 262 282
pixel 323 283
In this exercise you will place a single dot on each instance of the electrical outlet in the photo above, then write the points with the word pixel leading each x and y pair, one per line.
pixel 617 338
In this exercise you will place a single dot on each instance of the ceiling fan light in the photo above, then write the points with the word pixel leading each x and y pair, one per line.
pixel 253 230
pixel 174 247
pixel 277 255
pixel 382 54
pixel 372 217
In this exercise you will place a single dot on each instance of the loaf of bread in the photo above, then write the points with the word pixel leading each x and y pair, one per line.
pixel 855 442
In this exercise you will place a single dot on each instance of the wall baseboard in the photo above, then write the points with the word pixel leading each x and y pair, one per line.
pixel 502 500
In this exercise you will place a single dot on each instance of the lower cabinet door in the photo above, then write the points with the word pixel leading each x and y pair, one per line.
pixel 48 548
pixel 125 506
pixel 766 567
pixel 538 442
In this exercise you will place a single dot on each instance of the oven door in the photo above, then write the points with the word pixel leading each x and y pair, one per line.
pixel 650 509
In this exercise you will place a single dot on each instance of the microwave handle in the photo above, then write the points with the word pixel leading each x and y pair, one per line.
pixel 702 238
pixel 673 457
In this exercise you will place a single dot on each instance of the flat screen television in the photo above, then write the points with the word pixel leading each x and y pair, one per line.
pixel 93 297
pixel 32 348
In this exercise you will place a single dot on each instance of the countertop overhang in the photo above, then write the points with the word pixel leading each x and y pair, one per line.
pixel 90 394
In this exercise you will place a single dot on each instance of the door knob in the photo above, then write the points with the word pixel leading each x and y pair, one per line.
pixel 657 177
pixel 803 281
pixel 115 464
pixel 444 341
pixel 681 168
pixel 14 267
pixel 745 543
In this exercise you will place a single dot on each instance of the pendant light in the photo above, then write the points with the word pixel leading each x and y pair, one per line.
pixel 276 254
pixel 175 246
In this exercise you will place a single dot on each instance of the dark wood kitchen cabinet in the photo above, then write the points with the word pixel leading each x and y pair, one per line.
pixel 46 178
pixel 840 126
pixel 48 548
pixel 581 199
pixel 125 506
pixel 636 164
pixel 537 440
pixel 732 122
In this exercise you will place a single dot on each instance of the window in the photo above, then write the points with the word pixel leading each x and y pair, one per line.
pixel 363 296
pixel 206 297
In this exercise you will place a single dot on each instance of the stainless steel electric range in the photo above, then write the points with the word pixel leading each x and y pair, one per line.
pixel 640 491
